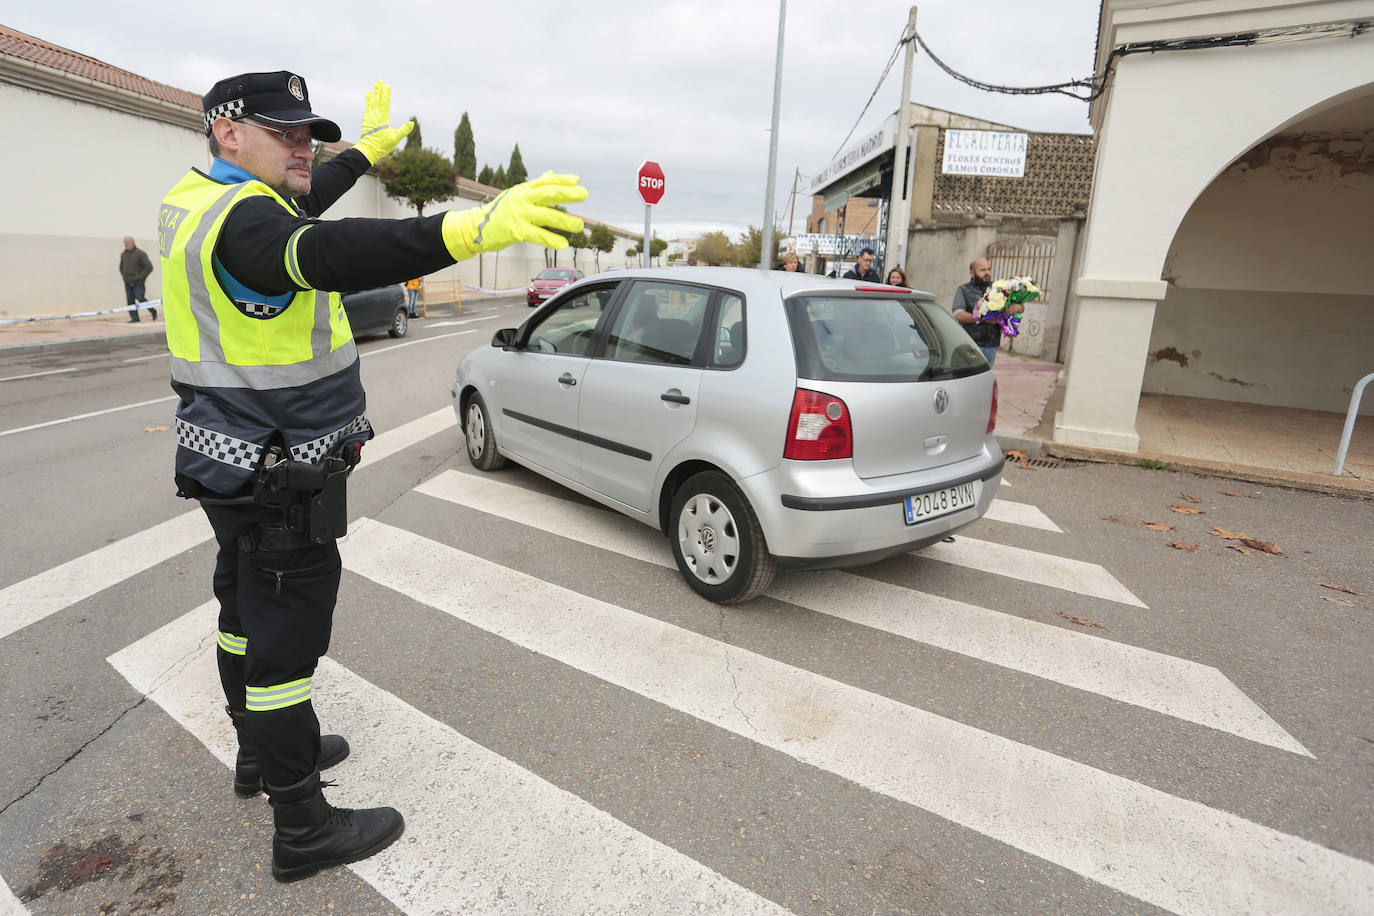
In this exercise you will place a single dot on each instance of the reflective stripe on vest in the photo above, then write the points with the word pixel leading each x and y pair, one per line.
pixel 213 343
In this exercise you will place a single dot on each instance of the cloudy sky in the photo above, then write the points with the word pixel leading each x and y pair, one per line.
pixel 598 86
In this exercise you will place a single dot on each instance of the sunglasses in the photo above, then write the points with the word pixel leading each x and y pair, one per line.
pixel 291 138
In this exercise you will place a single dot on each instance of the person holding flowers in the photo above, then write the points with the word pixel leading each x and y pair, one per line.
pixel 986 331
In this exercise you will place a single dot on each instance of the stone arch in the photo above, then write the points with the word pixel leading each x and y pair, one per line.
pixel 1171 125
pixel 1269 273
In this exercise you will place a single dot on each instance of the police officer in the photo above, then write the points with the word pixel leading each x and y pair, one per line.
pixel 272 410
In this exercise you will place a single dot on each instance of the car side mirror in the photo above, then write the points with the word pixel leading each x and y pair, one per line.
pixel 504 338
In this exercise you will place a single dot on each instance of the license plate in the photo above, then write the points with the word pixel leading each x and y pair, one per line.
pixel 925 506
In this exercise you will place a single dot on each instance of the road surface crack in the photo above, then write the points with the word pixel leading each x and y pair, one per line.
pixel 734 681
pixel 172 669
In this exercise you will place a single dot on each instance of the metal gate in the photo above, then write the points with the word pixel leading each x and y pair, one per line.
pixel 1027 256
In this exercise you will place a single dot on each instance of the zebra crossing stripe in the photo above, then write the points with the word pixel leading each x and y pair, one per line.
pixel 1031 566
pixel 55 589
pixel 1162 683
pixel 52 590
pixel 482 833
pixel 1171 852
pixel 1023 514
pixel 9 903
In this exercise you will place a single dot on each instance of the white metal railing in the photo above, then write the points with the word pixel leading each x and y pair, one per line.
pixel 1350 422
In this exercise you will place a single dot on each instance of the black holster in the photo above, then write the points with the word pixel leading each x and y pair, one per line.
pixel 313 499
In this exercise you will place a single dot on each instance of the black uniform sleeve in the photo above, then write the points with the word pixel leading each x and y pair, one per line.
pixel 337 255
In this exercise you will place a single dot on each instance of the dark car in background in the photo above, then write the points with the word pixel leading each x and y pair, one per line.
pixel 373 311
pixel 550 281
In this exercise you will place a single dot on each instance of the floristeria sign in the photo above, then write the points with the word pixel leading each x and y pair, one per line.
pixel 985 152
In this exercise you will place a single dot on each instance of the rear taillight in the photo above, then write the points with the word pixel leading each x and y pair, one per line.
pixel 992 414
pixel 818 428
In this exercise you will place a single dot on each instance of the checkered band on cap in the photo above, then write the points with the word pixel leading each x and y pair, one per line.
pixel 228 110
pixel 218 446
pixel 316 449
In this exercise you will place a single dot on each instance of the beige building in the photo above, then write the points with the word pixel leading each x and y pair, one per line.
pixel 1227 245
pixel 102 145
pixel 1026 225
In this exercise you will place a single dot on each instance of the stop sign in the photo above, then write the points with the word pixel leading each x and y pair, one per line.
pixel 651 182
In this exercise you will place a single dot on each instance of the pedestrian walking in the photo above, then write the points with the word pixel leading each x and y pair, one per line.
pixel 134 269
pixel 864 269
pixel 412 294
pixel 272 413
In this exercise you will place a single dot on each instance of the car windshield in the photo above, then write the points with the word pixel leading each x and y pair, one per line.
pixel 556 275
pixel 879 340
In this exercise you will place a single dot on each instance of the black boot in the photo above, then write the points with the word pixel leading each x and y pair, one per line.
pixel 154 311
pixel 312 834
pixel 247 776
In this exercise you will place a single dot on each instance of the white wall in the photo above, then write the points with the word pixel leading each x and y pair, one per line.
pixel 81 177
pixel 75 179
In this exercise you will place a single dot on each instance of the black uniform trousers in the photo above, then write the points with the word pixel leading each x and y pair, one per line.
pixel 282 603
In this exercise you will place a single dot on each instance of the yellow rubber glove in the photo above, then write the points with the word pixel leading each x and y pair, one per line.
pixel 378 137
pixel 523 213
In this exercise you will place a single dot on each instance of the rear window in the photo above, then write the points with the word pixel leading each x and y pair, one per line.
pixel 557 275
pixel 847 339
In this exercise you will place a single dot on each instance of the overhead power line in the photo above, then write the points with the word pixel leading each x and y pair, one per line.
pixel 1089 88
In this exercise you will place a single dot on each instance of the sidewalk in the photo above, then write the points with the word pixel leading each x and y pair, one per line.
pixel 1282 446
pixel 70 333
pixel 1273 445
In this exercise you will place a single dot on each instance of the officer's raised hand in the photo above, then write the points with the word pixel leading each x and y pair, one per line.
pixel 378 137
pixel 522 213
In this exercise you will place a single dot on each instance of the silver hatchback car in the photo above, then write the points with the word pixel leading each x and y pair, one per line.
pixel 760 419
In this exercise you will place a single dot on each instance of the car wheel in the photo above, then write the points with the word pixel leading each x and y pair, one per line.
pixel 717 542
pixel 480 436
pixel 400 323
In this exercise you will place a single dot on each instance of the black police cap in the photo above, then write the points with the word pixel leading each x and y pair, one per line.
pixel 279 98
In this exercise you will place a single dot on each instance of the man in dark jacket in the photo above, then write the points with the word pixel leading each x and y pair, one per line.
pixel 135 268
pixel 987 335
pixel 864 270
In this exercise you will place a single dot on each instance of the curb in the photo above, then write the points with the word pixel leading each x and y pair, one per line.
pixel 1250 474
pixel 1031 445
pixel 79 343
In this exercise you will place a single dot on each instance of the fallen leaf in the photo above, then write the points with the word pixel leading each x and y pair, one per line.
pixel 1184 545
pixel 1343 602
pixel 1080 621
pixel 1018 456
pixel 1339 588
pixel 1238 549
pixel 1191 499
pixel 1241 495
pixel 1186 510
pixel 156 429
pixel 1265 546
pixel 1228 535
pixel 1159 526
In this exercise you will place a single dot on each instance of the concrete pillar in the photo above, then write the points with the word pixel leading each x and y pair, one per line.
pixel 1111 339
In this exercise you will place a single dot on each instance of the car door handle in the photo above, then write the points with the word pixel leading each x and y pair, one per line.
pixel 566 380
pixel 673 396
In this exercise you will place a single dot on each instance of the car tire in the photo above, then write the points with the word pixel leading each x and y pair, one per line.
pixel 481 438
pixel 400 323
pixel 717 541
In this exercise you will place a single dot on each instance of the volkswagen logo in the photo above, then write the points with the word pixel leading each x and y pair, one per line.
pixel 941 400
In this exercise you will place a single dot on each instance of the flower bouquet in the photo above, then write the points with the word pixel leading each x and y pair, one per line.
pixel 996 302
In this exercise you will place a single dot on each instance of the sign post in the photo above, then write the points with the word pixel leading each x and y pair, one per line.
pixel 651 190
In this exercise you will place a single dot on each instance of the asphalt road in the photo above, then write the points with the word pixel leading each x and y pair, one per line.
pixel 1058 712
